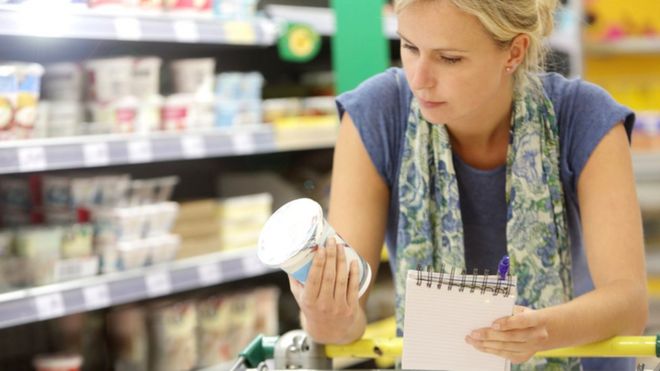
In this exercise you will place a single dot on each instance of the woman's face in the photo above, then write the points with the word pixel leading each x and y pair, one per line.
pixel 454 68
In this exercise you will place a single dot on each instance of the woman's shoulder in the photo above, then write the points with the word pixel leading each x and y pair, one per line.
pixel 379 108
pixel 585 114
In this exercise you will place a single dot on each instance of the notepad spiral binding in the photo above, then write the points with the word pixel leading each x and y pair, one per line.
pixel 474 282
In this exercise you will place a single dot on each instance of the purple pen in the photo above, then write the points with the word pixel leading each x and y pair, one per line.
pixel 503 267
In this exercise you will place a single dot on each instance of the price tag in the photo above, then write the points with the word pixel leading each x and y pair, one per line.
pixel 239 32
pixel 193 146
pixel 50 306
pixel 158 284
pixel 252 266
pixel 96 154
pixel 186 31
pixel 243 143
pixel 128 29
pixel 31 159
pixel 96 297
pixel 139 151
pixel 209 274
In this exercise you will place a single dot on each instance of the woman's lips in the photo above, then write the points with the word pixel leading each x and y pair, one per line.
pixel 429 104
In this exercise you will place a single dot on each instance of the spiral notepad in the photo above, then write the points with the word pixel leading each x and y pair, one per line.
pixel 441 309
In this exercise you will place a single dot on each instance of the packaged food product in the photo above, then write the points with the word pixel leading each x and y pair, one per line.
pixel 8 100
pixel 163 248
pixel 230 113
pixel 177 112
pixel 77 241
pixel 193 76
pixel 188 5
pixel 127 329
pixel 235 9
pixel 64 118
pixel 119 116
pixel 63 82
pixel 109 79
pixel 57 199
pixel 15 201
pixel 173 336
pixel 39 248
pixel 29 88
pixel 291 236
pixel 132 254
pixel 160 218
pixel 149 113
pixel 146 77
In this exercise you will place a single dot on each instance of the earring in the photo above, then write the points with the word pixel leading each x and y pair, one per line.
pixel 508 69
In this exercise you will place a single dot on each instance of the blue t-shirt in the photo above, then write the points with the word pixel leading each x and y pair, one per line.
pixel 585 112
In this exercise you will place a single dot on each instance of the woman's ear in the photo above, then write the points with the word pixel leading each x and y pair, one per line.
pixel 517 51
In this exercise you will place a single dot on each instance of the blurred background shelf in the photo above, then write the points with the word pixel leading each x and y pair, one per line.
pixel 131 26
pixel 57 300
pixel 625 46
pixel 647 166
pixel 115 149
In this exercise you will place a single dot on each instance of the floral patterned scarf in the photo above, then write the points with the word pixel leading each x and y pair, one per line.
pixel 430 230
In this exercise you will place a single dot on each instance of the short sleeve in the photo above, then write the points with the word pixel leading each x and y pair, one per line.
pixel 378 108
pixel 586 113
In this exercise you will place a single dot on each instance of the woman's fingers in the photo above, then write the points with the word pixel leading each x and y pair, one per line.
pixel 330 270
pixel 342 274
pixel 314 277
pixel 353 284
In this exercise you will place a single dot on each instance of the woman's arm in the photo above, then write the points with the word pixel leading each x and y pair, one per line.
pixel 612 232
pixel 359 202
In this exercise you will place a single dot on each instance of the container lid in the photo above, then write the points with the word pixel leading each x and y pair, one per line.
pixel 288 231
pixel 57 361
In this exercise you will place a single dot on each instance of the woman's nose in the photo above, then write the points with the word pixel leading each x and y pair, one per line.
pixel 422 77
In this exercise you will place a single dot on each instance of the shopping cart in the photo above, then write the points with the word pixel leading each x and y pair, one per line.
pixel 296 350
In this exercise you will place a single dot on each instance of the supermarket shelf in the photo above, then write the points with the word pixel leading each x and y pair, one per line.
pixel 107 150
pixel 323 21
pixel 625 46
pixel 57 300
pixel 64 22
pixel 647 166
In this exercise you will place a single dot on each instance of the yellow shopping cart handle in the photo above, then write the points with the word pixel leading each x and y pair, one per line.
pixel 620 346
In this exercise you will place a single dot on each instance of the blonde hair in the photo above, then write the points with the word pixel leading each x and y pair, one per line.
pixel 506 19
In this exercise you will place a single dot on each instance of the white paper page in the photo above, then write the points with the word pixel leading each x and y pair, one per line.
pixel 438 320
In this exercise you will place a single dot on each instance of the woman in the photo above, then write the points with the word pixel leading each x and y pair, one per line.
pixel 469 153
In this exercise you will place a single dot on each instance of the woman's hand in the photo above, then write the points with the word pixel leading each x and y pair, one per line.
pixel 329 299
pixel 517 337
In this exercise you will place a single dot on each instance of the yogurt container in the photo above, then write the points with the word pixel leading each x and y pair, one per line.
pixel 289 237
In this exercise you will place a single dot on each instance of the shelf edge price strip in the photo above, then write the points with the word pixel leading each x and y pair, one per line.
pixel 31 159
pixel 139 151
pixel 158 284
pixel 252 266
pixel 97 297
pixel 186 31
pixel 240 32
pixel 209 274
pixel 128 29
pixel 243 143
pixel 96 154
pixel 193 146
pixel 50 306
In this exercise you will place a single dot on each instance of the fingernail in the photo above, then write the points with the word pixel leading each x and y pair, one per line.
pixel 475 335
pixel 468 340
pixel 496 326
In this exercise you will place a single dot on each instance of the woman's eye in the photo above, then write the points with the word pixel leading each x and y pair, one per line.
pixel 410 48
pixel 450 60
